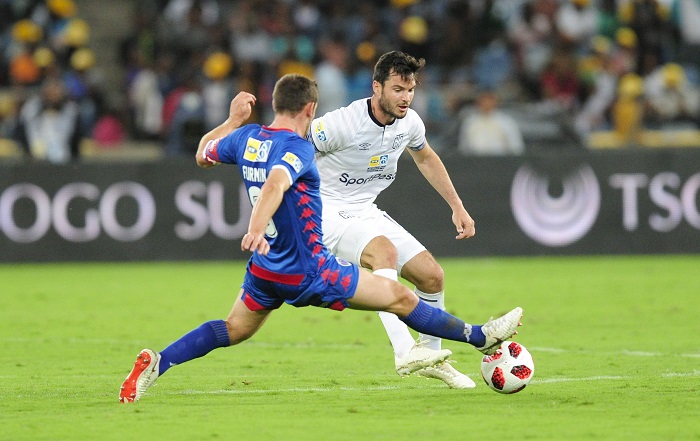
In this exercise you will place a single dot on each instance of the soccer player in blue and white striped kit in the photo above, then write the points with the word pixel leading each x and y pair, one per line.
pixel 290 264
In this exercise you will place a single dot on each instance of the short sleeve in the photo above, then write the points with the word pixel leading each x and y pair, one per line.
pixel 416 142
pixel 326 133
pixel 221 150
pixel 296 158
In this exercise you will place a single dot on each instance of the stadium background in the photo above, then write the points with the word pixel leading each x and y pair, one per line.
pixel 148 77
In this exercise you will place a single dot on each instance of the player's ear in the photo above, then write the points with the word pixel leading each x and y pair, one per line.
pixel 376 87
pixel 311 109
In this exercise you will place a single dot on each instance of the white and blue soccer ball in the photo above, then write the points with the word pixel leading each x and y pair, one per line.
pixel 509 369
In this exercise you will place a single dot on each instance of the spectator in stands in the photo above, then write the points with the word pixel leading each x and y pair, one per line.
pixel 608 21
pixel 463 39
pixel 49 124
pixel 330 75
pixel 23 70
pixel 533 37
pixel 628 109
pixel 486 130
pixel 624 56
pixel 188 119
pixel 602 80
pixel 559 81
pixel 577 22
pixel 8 116
pixel 649 19
pixel 145 102
pixel 685 15
pixel 217 91
pixel 84 85
pixel 672 99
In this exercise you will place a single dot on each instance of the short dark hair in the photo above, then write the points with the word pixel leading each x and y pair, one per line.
pixel 396 62
pixel 292 92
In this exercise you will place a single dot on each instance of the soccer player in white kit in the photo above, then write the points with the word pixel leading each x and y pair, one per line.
pixel 357 153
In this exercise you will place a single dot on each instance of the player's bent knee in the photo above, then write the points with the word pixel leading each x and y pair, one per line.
pixel 430 278
pixel 379 253
pixel 435 280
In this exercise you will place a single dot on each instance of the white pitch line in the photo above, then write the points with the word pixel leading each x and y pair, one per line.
pixel 435 386
pixel 535 350
pixel 301 390
pixel 695 373
pixel 566 380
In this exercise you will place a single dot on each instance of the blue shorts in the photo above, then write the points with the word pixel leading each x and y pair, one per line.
pixel 334 283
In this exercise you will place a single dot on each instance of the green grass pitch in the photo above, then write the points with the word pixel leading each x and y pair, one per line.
pixel 615 343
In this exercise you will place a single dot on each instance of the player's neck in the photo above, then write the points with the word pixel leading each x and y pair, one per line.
pixel 379 114
pixel 285 122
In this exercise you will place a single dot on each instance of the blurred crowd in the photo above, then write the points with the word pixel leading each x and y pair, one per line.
pixel 501 75
pixel 49 98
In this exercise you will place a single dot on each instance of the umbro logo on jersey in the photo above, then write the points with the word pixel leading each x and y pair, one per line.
pixel 364 146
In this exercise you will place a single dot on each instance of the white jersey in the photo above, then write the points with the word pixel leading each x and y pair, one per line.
pixel 357 156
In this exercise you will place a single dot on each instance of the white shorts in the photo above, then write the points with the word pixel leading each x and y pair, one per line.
pixel 347 233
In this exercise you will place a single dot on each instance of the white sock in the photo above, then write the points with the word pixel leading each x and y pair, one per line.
pixel 436 300
pixel 400 337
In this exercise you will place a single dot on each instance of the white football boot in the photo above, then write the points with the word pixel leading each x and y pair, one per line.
pixel 499 330
pixel 420 357
pixel 451 376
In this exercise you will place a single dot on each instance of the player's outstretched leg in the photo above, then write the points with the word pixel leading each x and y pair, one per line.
pixel 142 376
pixel 380 293
pixel 485 338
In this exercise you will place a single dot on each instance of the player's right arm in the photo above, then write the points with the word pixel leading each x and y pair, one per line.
pixel 266 205
pixel 239 111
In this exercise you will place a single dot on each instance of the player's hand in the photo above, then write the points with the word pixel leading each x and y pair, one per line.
pixel 255 242
pixel 464 224
pixel 241 107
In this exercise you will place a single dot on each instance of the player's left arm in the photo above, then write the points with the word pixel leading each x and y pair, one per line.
pixel 266 205
pixel 431 166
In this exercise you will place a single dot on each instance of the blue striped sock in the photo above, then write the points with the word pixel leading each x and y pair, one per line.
pixel 439 323
pixel 196 343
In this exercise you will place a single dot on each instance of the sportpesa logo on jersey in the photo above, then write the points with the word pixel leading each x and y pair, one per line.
pixel 257 151
pixel 319 131
pixel 377 163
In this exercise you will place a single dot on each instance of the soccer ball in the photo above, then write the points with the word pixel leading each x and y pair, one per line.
pixel 509 369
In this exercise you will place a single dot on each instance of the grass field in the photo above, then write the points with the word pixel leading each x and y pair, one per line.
pixel 615 342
